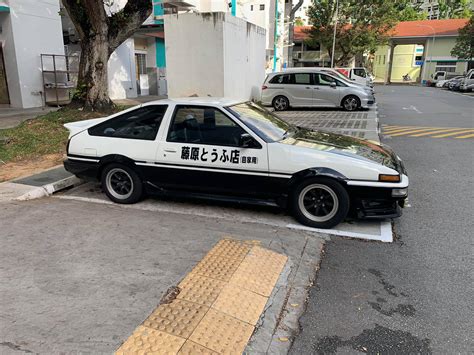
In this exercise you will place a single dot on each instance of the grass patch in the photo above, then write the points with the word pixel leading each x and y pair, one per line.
pixel 40 136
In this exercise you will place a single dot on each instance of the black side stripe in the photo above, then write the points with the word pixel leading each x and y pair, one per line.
pixel 72 156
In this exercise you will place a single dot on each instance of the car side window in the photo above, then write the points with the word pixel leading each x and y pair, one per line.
pixel 142 123
pixel 281 79
pixel 325 80
pixel 203 125
pixel 302 78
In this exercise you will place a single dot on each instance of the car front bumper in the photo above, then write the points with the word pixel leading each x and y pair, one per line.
pixel 378 199
pixel 367 102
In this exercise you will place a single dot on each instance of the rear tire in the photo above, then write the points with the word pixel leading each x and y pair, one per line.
pixel 320 202
pixel 281 103
pixel 121 184
pixel 351 103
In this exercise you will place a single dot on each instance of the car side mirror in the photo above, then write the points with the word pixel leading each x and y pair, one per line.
pixel 333 85
pixel 246 141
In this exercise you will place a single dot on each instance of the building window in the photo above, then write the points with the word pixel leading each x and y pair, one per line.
pixel 262 7
pixel 251 7
pixel 383 59
pixel 446 66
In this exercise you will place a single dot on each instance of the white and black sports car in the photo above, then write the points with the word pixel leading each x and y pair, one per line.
pixel 226 149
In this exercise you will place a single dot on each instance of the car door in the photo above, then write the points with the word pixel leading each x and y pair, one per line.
pixel 300 90
pixel 325 94
pixel 204 151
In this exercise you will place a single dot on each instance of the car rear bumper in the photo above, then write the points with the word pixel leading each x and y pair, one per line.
pixel 86 170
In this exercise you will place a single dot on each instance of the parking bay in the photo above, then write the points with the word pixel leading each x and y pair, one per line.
pixel 273 217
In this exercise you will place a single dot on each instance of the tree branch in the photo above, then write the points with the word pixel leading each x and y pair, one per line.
pixel 124 23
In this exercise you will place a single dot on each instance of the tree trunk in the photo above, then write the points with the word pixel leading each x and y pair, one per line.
pixel 92 88
pixel 100 35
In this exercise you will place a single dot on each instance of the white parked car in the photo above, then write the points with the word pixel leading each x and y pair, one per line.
pixel 468 81
pixel 359 75
pixel 230 150
pixel 313 87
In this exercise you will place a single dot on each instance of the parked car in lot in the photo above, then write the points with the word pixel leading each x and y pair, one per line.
pixel 237 151
pixel 359 75
pixel 340 76
pixel 440 76
pixel 455 84
pixel 467 82
pixel 445 83
pixel 313 88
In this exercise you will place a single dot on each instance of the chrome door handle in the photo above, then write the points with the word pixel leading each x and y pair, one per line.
pixel 316 88
pixel 308 87
pixel 170 150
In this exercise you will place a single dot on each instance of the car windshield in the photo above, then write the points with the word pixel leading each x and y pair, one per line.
pixel 265 124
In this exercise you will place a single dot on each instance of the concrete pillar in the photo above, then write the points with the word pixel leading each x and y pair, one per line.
pixel 388 75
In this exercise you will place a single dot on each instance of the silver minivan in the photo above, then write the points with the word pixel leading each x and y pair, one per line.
pixel 312 87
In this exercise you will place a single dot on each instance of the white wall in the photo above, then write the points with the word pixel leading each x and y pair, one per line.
pixel 33 28
pixel 194 54
pixel 121 72
pixel 244 59
pixel 214 54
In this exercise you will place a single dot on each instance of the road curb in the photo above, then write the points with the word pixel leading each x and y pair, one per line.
pixel 280 323
pixel 49 189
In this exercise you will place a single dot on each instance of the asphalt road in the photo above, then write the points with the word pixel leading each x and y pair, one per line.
pixel 415 295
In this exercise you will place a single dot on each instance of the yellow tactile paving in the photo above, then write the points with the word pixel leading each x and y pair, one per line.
pixel 217 267
pixel 241 304
pixel 177 318
pixel 431 132
pixel 145 340
pixel 222 333
pixel 191 348
pixel 218 304
pixel 200 289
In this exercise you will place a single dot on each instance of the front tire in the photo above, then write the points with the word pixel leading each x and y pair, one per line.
pixel 320 202
pixel 280 103
pixel 121 184
pixel 351 103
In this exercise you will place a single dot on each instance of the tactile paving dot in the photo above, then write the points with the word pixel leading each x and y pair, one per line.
pixel 191 348
pixel 230 248
pixel 241 304
pixel 200 289
pixel 217 267
pixel 259 271
pixel 177 318
pixel 150 341
pixel 222 333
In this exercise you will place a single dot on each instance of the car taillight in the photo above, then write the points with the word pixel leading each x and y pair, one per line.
pixel 264 87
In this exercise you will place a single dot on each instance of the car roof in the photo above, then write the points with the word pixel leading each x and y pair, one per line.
pixel 218 101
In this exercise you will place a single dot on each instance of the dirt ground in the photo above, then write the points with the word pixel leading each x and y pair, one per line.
pixel 19 169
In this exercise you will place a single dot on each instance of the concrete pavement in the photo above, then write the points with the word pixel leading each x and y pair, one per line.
pixel 415 295
pixel 79 277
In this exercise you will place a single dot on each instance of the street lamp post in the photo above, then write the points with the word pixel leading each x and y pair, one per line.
pixel 431 52
pixel 334 35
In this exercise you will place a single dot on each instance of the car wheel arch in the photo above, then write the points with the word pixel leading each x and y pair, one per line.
pixel 117 159
pixel 350 95
pixel 316 172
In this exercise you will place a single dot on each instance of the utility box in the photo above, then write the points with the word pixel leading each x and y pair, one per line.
pixel 214 54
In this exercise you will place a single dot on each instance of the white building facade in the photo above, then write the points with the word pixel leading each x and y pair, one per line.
pixel 28 29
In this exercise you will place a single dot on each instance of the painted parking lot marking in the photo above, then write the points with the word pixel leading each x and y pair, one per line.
pixel 431 132
pixel 215 308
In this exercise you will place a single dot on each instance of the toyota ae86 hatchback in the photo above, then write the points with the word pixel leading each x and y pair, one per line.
pixel 238 151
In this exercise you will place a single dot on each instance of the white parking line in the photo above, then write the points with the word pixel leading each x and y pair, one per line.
pixel 354 230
